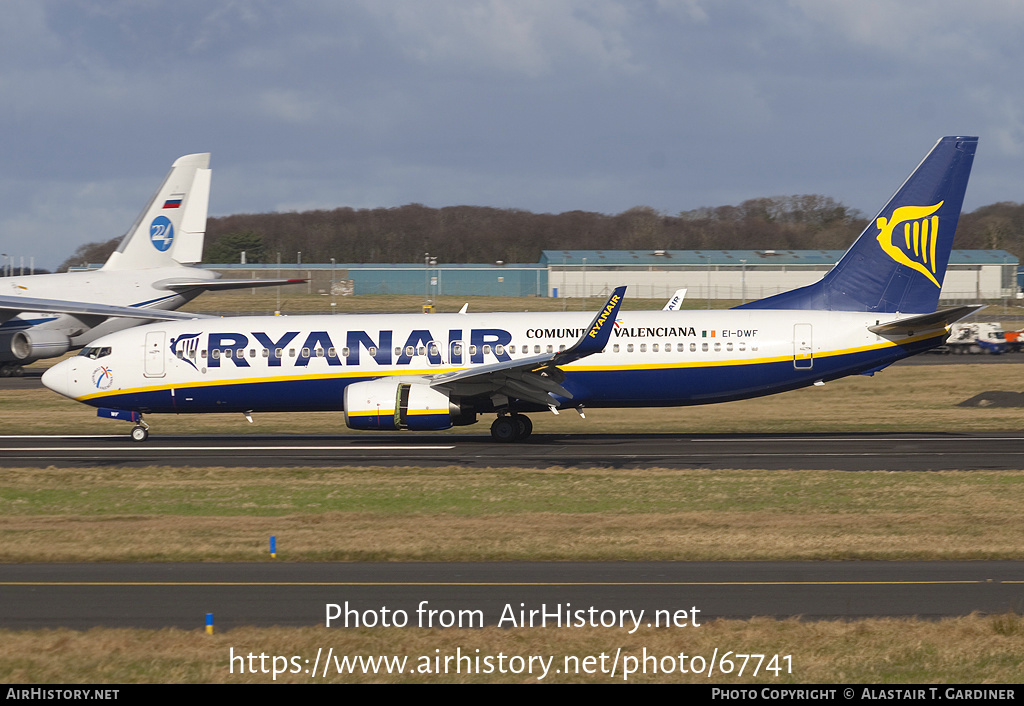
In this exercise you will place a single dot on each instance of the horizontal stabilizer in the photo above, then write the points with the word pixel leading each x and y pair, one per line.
pixel 925 322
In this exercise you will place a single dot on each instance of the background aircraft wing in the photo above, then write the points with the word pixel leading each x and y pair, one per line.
pixel 538 378
pixel 12 306
pixel 218 284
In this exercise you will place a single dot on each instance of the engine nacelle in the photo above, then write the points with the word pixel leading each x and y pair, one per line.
pixel 388 404
pixel 33 344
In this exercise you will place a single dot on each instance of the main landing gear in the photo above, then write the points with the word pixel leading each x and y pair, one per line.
pixel 511 427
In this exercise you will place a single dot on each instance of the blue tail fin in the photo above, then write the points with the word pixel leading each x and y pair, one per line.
pixel 898 262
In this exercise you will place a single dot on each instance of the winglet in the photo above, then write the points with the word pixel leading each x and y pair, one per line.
pixel 598 332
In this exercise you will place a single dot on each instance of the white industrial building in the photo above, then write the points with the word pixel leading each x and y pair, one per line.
pixel 746 275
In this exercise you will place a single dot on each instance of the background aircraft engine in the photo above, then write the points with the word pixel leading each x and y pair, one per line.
pixel 27 346
pixel 388 404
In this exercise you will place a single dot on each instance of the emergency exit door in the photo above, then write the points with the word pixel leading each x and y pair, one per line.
pixel 803 347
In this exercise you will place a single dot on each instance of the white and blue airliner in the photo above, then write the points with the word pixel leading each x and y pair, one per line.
pixel 434 371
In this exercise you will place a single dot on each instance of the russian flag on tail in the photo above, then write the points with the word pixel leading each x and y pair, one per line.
pixel 174 201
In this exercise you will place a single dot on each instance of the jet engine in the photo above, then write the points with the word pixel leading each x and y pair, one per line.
pixel 33 344
pixel 388 404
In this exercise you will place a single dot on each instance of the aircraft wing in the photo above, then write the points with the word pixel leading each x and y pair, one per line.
pixel 538 378
pixel 218 284
pixel 924 322
pixel 12 306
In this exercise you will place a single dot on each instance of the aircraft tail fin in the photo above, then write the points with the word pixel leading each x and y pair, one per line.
pixel 899 261
pixel 171 228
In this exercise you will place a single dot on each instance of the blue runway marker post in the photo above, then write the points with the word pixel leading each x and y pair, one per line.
pixel 273 547
pixel 209 623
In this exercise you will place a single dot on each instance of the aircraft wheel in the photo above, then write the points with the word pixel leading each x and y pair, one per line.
pixel 5 371
pixel 505 429
pixel 140 433
pixel 17 371
pixel 525 426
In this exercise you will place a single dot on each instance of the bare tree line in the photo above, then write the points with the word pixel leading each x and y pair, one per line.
pixel 461 234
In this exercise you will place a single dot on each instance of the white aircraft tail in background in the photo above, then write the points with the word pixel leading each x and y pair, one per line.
pixel 146 278
pixel 676 302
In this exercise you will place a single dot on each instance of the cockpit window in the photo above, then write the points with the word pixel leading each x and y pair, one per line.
pixel 94 353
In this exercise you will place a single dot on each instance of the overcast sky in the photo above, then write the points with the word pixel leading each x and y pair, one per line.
pixel 544 105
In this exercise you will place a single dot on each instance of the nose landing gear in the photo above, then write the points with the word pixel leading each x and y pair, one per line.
pixel 140 432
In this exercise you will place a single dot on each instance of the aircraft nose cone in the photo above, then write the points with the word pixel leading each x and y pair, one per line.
pixel 56 378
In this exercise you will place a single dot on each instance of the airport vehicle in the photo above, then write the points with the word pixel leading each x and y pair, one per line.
pixel 976 337
pixel 44 316
pixel 1014 340
pixel 430 372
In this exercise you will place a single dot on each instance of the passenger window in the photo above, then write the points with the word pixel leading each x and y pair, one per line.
pixel 410 351
pixel 704 347
pixel 551 349
pixel 693 347
pixel 654 348
pixel 728 347
pixel 305 352
pixel 181 354
pixel 240 353
pixel 499 349
pixel 615 348
pixel 266 352
pixel 216 353
pixel 536 349
pixel 629 347
pixel 372 350
pixel 252 352
pixel 487 349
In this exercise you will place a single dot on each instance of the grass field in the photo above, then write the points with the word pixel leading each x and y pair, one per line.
pixel 968 650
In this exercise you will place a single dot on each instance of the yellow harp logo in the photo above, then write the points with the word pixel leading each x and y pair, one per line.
pixel 918 239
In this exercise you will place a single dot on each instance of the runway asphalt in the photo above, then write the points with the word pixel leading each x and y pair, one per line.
pixel 81 596
pixel 819 451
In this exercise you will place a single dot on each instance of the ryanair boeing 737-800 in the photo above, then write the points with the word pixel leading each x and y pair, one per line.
pixel 435 371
